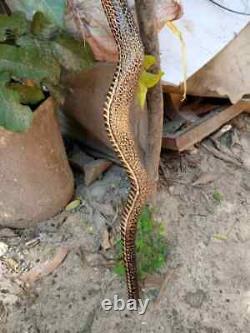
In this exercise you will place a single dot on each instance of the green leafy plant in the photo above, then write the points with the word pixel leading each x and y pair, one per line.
pixel 147 80
pixel 53 9
pixel 15 23
pixel 13 115
pixel 32 56
pixel 217 196
pixel 151 247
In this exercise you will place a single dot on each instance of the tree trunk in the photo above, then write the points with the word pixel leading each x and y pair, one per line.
pixel 146 18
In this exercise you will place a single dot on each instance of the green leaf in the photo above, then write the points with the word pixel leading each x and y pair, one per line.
pixel 14 25
pixel 42 27
pixel 149 80
pixel 141 94
pixel 13 115
pixel 73 205
pixel 149 61
pixel 29 63
pixel 4 78
pixel 28 94
pixel 73 55
pixel 53 9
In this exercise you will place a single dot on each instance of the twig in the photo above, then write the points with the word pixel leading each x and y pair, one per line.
pixel 146 11
pixel 45 268
pixel 225 150
pixel 218 154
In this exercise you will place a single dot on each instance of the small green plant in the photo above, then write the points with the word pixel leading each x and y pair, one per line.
pixel 33 55
pixel 151 247
pixel 218 196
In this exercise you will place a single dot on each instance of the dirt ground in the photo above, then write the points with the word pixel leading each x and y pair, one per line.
pixel 204 204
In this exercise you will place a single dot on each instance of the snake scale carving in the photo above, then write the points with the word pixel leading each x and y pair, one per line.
pixel 117 124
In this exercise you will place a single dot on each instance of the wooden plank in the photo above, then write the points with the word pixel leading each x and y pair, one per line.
pixel 207 125
pixel 247 107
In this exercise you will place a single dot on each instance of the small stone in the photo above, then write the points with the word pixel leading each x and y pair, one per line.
pixel 106 209
pixel 7 233
pixel 95 169
pixel 3 249
pixel 171 189
pixel 193 150
pixel 91 168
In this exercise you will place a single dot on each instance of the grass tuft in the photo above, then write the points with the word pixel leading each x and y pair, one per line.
pixel 151 247
pixel 218 196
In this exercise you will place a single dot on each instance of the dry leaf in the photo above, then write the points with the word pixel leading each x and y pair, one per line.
pixel 220 237
pixel 106 245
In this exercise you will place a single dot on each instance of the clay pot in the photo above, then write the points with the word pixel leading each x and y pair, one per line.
pixel 36 181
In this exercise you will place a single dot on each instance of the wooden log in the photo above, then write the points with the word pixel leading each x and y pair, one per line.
pixel 146 12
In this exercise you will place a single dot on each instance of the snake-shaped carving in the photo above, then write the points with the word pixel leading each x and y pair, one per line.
pixel 117 124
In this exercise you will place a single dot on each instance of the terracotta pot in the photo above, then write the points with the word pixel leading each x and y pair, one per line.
pixel 36 181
